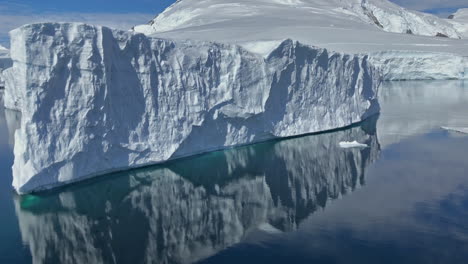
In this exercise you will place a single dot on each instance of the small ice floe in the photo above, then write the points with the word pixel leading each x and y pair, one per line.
pixel 353 144
pixel 463 130
pixel 268 228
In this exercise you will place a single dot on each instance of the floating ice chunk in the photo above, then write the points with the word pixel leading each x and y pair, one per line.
pixel 353 144
pixel 463 130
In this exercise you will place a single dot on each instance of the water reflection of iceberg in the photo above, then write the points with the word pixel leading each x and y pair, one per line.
pixel 417 107
pixel 190 209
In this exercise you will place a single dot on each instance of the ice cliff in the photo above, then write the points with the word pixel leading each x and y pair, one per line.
pixel 460 21
pixel 5 62
pixel 96 100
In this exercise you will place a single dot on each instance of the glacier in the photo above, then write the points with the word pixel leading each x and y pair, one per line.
pixel 401 42
pixel 95 100
pixel 377 14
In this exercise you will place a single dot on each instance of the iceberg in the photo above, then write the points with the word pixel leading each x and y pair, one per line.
pixel 96 100
pixel 209 75
pixel 183 213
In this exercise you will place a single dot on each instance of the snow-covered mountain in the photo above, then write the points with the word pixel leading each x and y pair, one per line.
pixel 351 26
pixel 460 21
pixel 460 15
pixel 381 14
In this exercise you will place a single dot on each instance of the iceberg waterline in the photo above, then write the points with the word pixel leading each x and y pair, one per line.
pixel 96 100
pixel 200 206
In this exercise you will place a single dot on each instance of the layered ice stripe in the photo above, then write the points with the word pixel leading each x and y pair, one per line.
pixel 96 100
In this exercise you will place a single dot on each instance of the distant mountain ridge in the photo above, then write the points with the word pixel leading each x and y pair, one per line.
pixel 381 14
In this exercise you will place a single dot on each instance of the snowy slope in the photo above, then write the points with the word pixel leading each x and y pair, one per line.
pixel 381 14
pixel 96 100
pixel 350 26
pixel 461 15
pixel 460 21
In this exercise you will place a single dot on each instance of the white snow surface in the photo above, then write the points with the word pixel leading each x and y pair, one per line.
pixel 96 100
pixel 352 144
pixel 352 26
pixel 460 22
pixel 381 14
pixel 461 15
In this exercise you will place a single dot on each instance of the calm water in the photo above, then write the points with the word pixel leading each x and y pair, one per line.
pixel 303 200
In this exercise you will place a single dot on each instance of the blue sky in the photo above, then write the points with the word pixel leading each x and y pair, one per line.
pixel 88 6
pixel 127 13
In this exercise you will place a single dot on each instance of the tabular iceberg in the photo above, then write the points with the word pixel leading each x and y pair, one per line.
pixel 96 100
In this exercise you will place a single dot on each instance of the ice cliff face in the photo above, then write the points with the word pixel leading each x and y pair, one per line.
pixel 182 213
pixel 5 62
pixel 96 100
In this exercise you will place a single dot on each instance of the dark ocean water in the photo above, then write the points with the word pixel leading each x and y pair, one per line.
pixel 404 199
